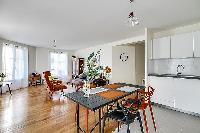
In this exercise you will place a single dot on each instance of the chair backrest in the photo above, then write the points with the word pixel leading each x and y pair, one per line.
pixel 49 83
pixel 145 96
pixel 132 105
pixel 47 73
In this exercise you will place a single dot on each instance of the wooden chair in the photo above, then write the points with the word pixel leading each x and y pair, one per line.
pixel 53 86
pixel 48 73
pixel 34 79
pixel 145 97
pixel 125 113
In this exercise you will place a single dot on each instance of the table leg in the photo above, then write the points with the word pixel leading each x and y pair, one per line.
pixel 9 89
pixel 100 120
pixel 1 89
pixel 77 118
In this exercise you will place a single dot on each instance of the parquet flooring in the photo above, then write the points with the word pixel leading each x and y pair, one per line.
pixel 30 111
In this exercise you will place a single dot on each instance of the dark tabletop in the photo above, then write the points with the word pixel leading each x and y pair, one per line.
pixel 94 101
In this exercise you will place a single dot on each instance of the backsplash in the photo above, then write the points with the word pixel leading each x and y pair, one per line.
pixel 169 66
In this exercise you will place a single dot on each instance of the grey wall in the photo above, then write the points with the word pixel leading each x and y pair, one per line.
pixel 31 54
pixel 168 66
pixel 31 59
pixel 123 71
pixel 139 63
pixel 0 55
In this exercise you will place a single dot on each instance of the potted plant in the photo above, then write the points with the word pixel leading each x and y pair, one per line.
pixel 93 66
pixel 2 76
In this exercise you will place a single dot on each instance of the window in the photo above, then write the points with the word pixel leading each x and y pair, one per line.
pixel 15 65
pixel 58 65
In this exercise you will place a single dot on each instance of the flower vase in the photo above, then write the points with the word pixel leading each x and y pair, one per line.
pixel 86 90
pixel 1 80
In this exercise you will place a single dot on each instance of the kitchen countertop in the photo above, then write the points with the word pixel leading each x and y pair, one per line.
pixel 175 76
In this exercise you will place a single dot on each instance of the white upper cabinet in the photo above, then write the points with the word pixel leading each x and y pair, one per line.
pixel 197 44
pixel 161 48
pixel 182 45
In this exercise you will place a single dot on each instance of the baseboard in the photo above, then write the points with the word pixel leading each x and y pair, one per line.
pixel 176 109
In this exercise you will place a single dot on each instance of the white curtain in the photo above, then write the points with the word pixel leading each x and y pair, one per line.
pixel 15 65
pixel 58 65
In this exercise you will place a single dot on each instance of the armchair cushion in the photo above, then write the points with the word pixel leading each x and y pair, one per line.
pixel 59 87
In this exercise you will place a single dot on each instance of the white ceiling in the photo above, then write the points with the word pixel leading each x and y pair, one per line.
pixel 82 23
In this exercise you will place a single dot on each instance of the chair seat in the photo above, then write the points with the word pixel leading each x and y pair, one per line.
pixel 59 87
pixel 143 106
pixel 57 81
pixel 119 116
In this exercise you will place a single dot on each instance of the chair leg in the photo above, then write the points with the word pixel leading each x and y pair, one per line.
pixel 152 116
pixel 118 126
pixel 140 121
pixel 128 130
pixel 76 113
pixel 51 95
pixel 145 121
pixel 87 112
pixel 104 122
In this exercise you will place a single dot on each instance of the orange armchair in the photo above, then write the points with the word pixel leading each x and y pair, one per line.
pixel 48 73
pixel 53 86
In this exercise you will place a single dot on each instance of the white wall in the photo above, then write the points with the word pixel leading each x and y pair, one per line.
pixel 123 71
pixel 0 55
pixel 42 59
pixel 69 55
pixel 106 54
pixel 106 51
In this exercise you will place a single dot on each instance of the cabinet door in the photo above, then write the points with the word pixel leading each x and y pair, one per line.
pixel 161 48
pixel 182 45
pixel 197 44
pixel 187 94
pixel 164 90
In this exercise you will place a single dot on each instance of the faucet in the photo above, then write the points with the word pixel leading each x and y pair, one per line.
pixel 179 69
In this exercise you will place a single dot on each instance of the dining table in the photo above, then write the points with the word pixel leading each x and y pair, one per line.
pixel 99 98
pixel 8 84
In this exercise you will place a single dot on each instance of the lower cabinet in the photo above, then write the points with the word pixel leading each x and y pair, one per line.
pixel 164 88
pixel 187 94
pixel 183 94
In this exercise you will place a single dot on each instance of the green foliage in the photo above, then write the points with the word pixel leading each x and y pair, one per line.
pixel 93 67
pixel 2 75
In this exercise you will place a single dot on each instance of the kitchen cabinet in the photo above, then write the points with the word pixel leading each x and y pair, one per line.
pixel 164 90
pixel 182 45
pixel 179 93
pixel 161 48
pixel 197 44
pixel 187 94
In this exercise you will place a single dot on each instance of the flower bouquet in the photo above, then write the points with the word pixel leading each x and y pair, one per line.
pixel 2 76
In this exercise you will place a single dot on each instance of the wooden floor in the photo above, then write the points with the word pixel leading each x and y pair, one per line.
pixel 29 110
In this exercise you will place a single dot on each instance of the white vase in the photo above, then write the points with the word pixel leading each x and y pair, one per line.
pixel 86 91
pixel 1 80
